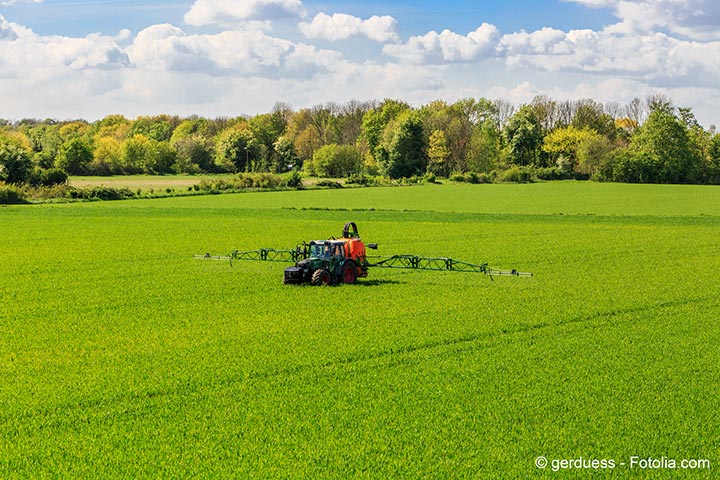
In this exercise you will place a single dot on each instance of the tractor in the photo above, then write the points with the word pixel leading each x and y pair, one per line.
pixel 344 260
pixel 332 261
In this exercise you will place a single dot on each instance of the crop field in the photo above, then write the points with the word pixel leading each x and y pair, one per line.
pixel 122 356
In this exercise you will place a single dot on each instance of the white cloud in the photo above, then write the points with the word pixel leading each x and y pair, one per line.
pixel 340 26
pixel 7 3
pixel 653 56
pixel 697 19
pixel 233 52
pixel 447 47
pixel 36 58
pixel 230 13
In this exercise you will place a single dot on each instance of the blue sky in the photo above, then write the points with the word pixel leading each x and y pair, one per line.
pixel 81 17
pixel 84 58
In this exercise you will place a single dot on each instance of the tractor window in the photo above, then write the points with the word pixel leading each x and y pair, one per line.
pixel 320 250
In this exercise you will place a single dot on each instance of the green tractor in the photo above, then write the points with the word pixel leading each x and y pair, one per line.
pixel 333 261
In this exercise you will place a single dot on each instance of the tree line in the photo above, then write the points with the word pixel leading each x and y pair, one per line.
pixel 645 141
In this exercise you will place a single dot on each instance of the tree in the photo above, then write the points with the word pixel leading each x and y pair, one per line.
pixel 287 158
pixel 665 137
pixel 375 129
pixel 159 128
pixel 566 142
pixel 237 150
pixel 15 163
pixel 134 152
pixel 483 152
pixel 75 156
pixel 523 136
pixel 107 156
pixel 266 129
pixel 590 114
pixel 592 153
pixel 438 154
pixel 335 161
pixel 713 162
pixel 193 146
pixel 406 155
pixel 632 167
pixel 160 158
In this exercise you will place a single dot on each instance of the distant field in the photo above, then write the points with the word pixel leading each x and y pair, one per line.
pixel 121 356
pixel 154 182
pixel 142 182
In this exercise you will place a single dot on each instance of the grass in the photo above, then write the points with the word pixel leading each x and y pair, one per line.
pixel 122 356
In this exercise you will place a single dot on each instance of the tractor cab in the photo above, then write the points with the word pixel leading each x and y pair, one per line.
pixel 326 249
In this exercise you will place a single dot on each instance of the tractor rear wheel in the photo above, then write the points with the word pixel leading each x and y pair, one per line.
pixel 349 272
pixel 320 277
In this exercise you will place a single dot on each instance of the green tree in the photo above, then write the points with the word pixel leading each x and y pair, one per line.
pixel 107 157
pixel 159 128
pixel 564 144
pixel 266 129
pixel 135 150
pixel 160 158
pixel 438 154
pixel 335 161
pixel 376 127
pixel 75 156
pixel 589 114
pixel 523 136
pixel 592 153
pixel 665 137
pixel 407 155
pixel 193 146
pixel 15 162
pixel 237 150
pixel 483 153
pixel 287 158
pixel 713 160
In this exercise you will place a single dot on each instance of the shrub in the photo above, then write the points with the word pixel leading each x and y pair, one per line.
pixel 243 181
pixel 11 194
pixel 102 193
pixel 471 177
pixel 328 184
pixel 430 178
pixel 517 174
pixel 359 179
pixel 552 173
pixel 294 180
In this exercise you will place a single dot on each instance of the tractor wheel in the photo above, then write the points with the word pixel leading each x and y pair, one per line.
pixel 320 277
pixel 349 272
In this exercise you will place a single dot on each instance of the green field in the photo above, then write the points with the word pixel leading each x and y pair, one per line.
pixel 121 356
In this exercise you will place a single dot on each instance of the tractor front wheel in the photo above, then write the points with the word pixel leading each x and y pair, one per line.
pixel 349 272
pixel 320 277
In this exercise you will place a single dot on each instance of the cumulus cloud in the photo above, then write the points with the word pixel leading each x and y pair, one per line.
pixel 447 46
pixel 24 53
pixel 697 19
pixel 230 13
pixel 7 3
pixel 653 56
pixel 340 26
pixel 233 52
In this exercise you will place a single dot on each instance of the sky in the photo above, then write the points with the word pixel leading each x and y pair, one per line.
pixel 87 59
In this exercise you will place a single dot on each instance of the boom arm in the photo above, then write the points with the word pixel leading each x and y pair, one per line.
pixel 263 254
pixel 441 263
